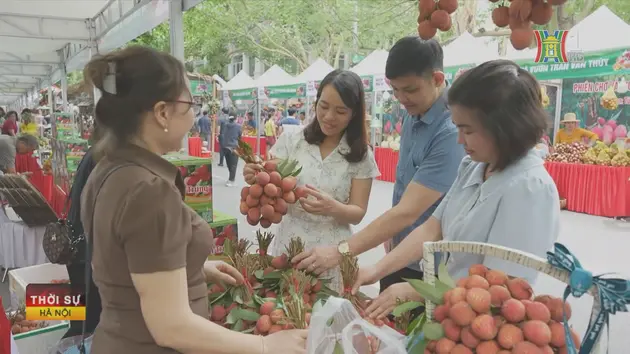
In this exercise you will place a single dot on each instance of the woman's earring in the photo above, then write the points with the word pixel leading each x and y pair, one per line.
pixel 166 130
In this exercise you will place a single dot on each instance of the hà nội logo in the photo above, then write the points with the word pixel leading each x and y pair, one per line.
pixel 551 47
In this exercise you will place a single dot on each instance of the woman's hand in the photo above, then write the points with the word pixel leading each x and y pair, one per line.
pixel 318 260
pixel 286 342
pixel 366 276
pixel 249 172
pixel 320 204
pixel 219 271
pixel 385 303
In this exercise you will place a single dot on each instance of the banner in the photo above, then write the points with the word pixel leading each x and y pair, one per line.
pixel 199 88
pixel 601 104
pixel 615 62
pixel 244 94
pixel 311 88
pixel 453 72
pixel 368 83
pixel 286 91
pixel 381 83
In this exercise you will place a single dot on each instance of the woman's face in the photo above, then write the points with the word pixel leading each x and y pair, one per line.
pixel 570 126
pixel 12 116
pixel 476 141
pixel 175 120
pixel 332 114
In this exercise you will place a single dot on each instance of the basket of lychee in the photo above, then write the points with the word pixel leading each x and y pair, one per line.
pixel 489 311
pixel 267 199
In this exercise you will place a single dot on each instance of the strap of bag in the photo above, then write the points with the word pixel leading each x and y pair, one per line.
pixel 88 255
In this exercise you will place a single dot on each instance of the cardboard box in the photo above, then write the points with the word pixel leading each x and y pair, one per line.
pixel 21 277
pixel 197 173
pixel 224 226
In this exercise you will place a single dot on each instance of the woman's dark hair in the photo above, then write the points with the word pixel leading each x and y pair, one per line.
pixel 14 113
pixel 350 88
pixel 143 77
pixel 507 101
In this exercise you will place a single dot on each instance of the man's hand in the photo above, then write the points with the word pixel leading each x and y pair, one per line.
pixel 319 259
pixel 387 301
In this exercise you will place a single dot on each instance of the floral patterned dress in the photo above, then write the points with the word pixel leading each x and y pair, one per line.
pixel 333 176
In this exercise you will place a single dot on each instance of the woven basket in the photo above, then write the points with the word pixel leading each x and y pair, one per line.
pixel 525 259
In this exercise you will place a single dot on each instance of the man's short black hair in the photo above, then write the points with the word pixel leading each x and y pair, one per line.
pixel 291 111
pixel 414 56
pixel 250 114
pixel 225 110
pixel 29 140
pixel 205 113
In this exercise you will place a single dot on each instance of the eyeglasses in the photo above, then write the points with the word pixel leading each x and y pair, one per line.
pixel 189 103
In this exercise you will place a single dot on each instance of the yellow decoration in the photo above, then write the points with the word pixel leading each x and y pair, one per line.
pixel 590 157
pixel 545 98
pixel 603 158
pixel 621 159
pixel 609 100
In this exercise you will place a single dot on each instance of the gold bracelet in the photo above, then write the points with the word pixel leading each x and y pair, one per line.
pixel 264 348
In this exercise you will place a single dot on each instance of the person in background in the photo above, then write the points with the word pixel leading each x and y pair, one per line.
pixel 231 134
pixel 572 133
pixel 503 195
pixel 225 113
pixel 251 121
pixel 76 269
pixel 28 125
pixel 10 146
pixel 302 118
pixel 150 250
pixel 289 124
pixel 429 158
pixel 270 133
pixel 204 127
pixel 9 127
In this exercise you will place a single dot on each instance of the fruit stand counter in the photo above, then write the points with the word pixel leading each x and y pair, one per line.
pixel 386 161
pixel 224 227
pixel 251 141
pixel 591 189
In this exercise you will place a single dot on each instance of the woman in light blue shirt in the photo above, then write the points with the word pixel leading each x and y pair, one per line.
pixel 503 194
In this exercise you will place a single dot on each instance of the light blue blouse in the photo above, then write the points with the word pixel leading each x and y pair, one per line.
pixel 517 208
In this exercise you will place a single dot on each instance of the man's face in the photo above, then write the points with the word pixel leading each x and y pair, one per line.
pixel 23 148
pixel 417 93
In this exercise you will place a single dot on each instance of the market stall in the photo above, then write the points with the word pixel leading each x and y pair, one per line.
pixel 312 77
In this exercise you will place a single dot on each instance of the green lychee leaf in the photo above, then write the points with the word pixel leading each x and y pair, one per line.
pixel 246 315
pixel 297 172
pixel 426 290
pixel 338 349
pixel 444 277
pixel 433 331
pixel 406 307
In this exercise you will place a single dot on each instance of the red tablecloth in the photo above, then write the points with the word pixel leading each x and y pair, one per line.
pixel 194 146
pixel 593 190
pixel 251 141
pixel 386 160
pixel 59 200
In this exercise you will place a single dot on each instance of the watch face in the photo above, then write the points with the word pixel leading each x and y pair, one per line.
pixel 344 248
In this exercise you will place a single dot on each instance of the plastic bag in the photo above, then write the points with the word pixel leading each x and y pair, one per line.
pixel 337 327
pixel 71 346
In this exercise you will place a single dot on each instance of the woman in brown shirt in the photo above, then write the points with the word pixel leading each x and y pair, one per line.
pixel 149 249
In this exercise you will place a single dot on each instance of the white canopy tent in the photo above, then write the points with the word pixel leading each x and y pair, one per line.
pixel 274 76
pixel 459 52
pixel 315 72
pixel 42 40
pixel 239 81
pixel 373 64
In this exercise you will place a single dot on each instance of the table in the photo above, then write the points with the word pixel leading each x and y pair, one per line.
pixel 386 161
pixel 20 245
pixel 591 189
pixel 251 141
pixel 194 146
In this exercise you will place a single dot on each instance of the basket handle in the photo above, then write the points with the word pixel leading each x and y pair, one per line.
pixel 507 254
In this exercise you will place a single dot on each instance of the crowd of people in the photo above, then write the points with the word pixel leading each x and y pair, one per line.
pixel 468 171
pixel 19 135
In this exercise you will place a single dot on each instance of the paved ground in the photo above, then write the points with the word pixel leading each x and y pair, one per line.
pixel 600 244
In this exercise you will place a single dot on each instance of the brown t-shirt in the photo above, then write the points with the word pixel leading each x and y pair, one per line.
pixel 141 225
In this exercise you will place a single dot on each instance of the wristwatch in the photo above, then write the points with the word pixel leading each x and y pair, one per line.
pixel 344 248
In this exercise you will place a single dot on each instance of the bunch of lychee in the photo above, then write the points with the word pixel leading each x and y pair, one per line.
pixel 268 199
pixel 488 312
pixel 520 15
pixel 435 15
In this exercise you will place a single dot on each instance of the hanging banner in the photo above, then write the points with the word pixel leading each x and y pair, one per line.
pixel 311 88
pixel 615 62
pixel 262 93
pixel 368 83
pixel 381 83
pixel 244 94
pixel 199 88
pixel 601 104
pixel 286 91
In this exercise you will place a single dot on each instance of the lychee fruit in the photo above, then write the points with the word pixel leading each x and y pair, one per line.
pixel 483 327
pixel 499 320
pixel 558 308
pixel 479 300
pixel 477 281
pixel 275 328
pixel 520 289
pixel 509 335
pixel 263 325
pixel 478 269
pixel 538 311
pixel 526 348
pixel 498 295
pixel 496 277
pixel 488 347
pixel 444 346
pixel 461 282
pixel 462 314
pixel 267 308
pixel 440 313
pixel 218 313
pixel 513 310
pixel 457 295
pixel 537 332
pixel 547 350
pixel 461 349
pixel 276 316
pixel 280 262
pixel 451 330
pixel 469 339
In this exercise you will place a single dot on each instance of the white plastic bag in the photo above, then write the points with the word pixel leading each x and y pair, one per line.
pixel 338 325
pixel 71 346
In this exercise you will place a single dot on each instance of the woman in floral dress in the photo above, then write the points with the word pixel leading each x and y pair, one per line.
pixel 338 168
